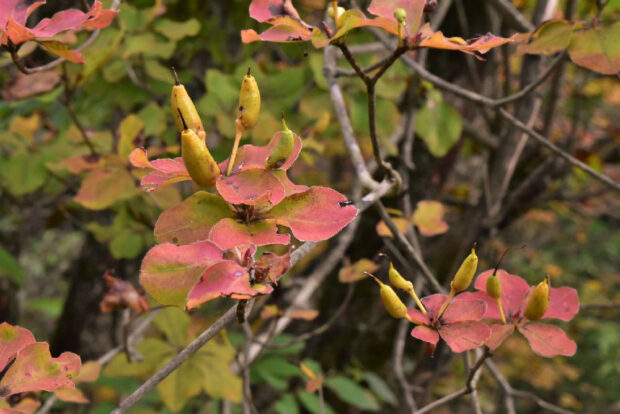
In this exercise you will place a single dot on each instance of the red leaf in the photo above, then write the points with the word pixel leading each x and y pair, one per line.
pixel 289 187
pixel 432 303
pixel 425 334
pixel 12 339
pixel 18 9
pixel 287 25
pixel 18 33
pixel 228 233
pixel 191 220
pixel 74 19
pixel 169 272
pixel 499 332
pixel 418 317
pixel 121 294
pixel 548 340
pixel 34 369
pixel 251 157
pixel 482 44
pixel 462 336
pixel 315 214
pixel 250 187
pixel 385 9
pixel 464 310
pixel 270 266
pixel 514 290
pixel 224 279
pixel 563 304
pixel 167 170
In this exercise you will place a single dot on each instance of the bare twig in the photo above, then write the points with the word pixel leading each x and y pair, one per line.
pixel 181 357
pixel 559 152
pixel 512 15
pixel 467 389
pixel 410 252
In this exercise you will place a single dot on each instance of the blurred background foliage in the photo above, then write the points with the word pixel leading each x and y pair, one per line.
pixel 68 211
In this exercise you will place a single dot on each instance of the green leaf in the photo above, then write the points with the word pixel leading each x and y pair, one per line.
pixel 221 87
pixel 10 268
pixel 214 360
pixel 51 307
pixel 128 131
pixel 127 244
pixel 154 119
pixel 178 387
pixel 173 322
pixel 158 72
pixel 350 392
pixel 380 388
pixel 176 31
pixel 311 403
pixel 438 124
pixel 102 50
pixel 24 172
pixel 597 49
pixel 550 37
pixel 286 405
pixel 153 352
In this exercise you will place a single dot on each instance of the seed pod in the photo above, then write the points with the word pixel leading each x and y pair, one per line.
pixel 340 11
pixel 198 160
pixel 466 272
pixel 283 149
pixel 398 281
pixel 494 289
pixel 249 101
pixel 539 301
pixel 395 307
pixel 400 15
pixel 183 109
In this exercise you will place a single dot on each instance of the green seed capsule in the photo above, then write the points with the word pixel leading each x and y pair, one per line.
pixel 400 15
pixel 395 307
pixel 198 160
pixel 539 301
pixel 398 281
pixel 494 289
pixel 466 272
pixel 283 149
pixel 184 111
pixel 249 102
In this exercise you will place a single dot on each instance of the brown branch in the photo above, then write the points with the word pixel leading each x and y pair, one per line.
pixel 559 152
pixel 411 253
pixel 467 389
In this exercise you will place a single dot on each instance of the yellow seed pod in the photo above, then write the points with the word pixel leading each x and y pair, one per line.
pixel 539 301
pixel 183 109
pixel 398 281
pixel 400 15
pixel 494 289
pixel 466 272
pixel 198 160
pixel 283 149
pixel 340 11
pixel 249 101
pixel 395 307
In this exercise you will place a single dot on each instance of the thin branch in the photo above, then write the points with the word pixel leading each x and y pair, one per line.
pixel 467 389
pixel 67 103
pixel 559 152
pixel 410 252
pixel 512 15
pixel 307 335
pixel 345 122
pixel 181 357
